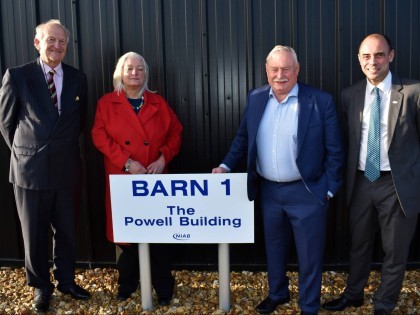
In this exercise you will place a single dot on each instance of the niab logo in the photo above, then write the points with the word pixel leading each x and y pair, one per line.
pixel 181 236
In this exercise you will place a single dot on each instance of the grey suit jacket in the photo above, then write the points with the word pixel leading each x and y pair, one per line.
pixel 403 137
pixel 45 152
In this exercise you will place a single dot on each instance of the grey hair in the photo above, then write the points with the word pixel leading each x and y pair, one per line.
pixel 39 30
pixel 279 48
pixel 117 78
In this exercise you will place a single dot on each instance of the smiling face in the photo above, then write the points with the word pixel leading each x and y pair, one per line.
pixel 375 57
pixel 282 73
pixel 133 73
pixel 51 44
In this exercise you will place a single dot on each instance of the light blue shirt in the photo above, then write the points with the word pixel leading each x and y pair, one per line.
pixel 277 139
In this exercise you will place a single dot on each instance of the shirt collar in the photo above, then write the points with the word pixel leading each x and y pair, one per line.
pixel 384 86
pixel 293 93
pixel 58 70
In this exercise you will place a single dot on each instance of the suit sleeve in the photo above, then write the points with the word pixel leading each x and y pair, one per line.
pixel 239 146
pixel 334 155
pixel 84 101
pixel 9 107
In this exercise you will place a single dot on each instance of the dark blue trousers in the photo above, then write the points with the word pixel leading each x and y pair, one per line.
pixel 291 208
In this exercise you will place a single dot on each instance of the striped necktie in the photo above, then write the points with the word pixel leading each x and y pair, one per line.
pixel 373 155
pixel 51 87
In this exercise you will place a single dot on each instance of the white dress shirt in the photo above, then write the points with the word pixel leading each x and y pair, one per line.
pixel 385 93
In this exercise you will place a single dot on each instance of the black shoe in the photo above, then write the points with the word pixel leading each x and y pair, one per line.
pixel 41 303
pixel 268 305
pixel 76 292
pixel 164 301
pixel 122 295
pixel 381 312
pixel 341 303
pixel 307 313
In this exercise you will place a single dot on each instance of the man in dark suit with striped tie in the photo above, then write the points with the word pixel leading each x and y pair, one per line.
pixel 41 123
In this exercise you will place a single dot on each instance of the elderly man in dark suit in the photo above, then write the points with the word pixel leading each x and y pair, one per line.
pixel 388 202
pixel 292 139
pixel 41 118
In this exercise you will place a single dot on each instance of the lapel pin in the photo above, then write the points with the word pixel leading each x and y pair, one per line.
pixel 77 98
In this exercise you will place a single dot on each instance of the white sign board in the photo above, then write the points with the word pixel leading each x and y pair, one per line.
pixel 181 208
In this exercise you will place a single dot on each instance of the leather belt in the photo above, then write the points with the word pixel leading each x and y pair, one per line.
pixel 383 173
pixel 282 183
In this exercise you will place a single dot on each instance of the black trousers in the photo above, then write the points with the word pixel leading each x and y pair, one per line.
pixel 160 265
pixel 375 207
pixel 39 212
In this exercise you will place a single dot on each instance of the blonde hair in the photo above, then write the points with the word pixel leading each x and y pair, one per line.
pixel 39 30
pixel 117 78
pixel 279 48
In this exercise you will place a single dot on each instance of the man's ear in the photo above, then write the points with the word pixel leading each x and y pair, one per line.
pixel 36 43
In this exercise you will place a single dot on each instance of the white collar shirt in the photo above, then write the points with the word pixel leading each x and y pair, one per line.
pixel 385 93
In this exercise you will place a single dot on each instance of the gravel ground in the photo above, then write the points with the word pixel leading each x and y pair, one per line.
pixel 196 293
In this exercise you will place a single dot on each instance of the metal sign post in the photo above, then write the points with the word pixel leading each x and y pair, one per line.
pixel 145 277
pixel 146 283
pixel 224 277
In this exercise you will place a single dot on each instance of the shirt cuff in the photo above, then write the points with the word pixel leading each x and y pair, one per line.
pixel 225 167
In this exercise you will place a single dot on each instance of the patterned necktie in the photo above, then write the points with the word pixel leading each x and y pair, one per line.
pixel 373 156
pixel 51 87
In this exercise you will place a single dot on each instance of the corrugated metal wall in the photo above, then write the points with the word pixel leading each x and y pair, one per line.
pixel 204 55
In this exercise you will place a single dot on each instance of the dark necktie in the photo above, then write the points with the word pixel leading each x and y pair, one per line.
pixel 373 156
pixel 51 87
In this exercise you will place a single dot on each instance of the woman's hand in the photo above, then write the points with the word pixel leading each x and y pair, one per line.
pixel 157 166
pixel 135 167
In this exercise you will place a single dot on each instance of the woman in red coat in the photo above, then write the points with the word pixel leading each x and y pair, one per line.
pixel 138 133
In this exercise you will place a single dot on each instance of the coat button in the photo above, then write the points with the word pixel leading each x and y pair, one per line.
pixel 127 142
pixel 146 143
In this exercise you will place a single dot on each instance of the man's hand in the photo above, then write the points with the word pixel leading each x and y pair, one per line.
pixel 219 170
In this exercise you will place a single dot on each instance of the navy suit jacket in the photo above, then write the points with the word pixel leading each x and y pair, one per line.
pixel 320 149
pixel 45 152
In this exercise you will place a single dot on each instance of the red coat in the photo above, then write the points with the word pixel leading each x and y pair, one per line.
pixel 121 134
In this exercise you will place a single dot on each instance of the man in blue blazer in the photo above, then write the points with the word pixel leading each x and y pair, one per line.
pixel 291 135
pixel 41 123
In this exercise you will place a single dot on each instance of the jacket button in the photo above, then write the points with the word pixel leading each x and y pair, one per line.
pixel 127 142
pixel 146 143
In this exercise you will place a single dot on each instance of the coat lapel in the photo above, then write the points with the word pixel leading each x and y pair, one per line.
pixel 305 107
pixel 256 110
pixel 39 87
pixel 123 109
pixel 68 84
pixel 147 112
pixel 394 106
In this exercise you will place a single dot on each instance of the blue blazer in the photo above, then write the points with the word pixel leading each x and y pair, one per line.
pixel 320 149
